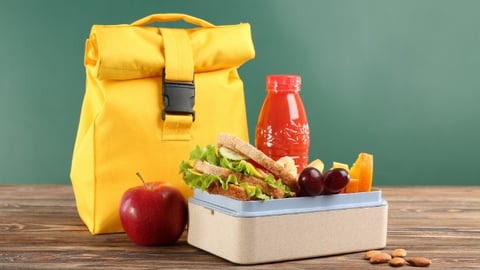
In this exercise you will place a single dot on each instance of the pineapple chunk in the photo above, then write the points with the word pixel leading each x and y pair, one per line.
pixel 317 164
pixel 340 165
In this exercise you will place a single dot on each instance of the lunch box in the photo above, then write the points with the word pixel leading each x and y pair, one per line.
pixel 252 232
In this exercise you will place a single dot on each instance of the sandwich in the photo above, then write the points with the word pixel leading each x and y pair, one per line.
pixel 236 169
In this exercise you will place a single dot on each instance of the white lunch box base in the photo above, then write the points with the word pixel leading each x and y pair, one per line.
pixel 257 232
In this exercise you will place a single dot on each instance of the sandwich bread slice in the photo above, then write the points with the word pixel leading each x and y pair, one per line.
pixel 262 161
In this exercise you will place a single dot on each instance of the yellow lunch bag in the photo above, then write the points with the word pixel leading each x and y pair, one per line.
pixel 153 94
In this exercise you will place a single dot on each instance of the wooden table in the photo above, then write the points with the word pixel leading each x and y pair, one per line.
pixel 40 229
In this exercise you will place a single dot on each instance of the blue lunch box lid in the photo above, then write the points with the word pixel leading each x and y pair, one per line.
pixel 287 206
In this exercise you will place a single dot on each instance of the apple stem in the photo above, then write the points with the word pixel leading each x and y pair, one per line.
pixel 141 178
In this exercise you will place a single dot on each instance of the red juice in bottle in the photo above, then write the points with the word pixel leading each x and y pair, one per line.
pixel 282 127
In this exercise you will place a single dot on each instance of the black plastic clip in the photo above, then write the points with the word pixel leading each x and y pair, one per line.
pixel 178 98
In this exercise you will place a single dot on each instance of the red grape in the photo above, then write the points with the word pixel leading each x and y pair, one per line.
pixel 311 181
pixel 335 180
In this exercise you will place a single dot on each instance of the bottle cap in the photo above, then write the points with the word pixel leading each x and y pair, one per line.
pixel 283 82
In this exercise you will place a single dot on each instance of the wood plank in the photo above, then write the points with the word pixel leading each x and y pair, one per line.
pixel 40 229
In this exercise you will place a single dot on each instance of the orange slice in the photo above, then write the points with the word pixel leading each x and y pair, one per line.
pixel 362 170
pixel 352 186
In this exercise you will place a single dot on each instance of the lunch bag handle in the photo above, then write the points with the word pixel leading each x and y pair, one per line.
pixel 178 86
pixel 170 17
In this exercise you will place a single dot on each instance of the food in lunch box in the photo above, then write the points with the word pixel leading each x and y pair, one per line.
pixel 239 170
pixel 362 169
pixel 336 179
pixel 360 175
pixel 314 183
pixel 311 181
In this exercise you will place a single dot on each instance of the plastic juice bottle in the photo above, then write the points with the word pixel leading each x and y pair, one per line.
pixel 282 127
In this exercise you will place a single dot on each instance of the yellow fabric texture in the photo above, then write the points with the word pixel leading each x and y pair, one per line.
pixel 121 129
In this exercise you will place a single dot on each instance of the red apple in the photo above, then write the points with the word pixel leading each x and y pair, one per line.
pixel 153 214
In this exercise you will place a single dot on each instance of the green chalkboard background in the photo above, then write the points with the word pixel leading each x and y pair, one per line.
pixel 399 79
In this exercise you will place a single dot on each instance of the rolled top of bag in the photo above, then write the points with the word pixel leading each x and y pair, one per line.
pixel 126 52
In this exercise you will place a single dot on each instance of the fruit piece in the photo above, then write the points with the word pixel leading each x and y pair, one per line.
pixel 317 164
pixel 362 169
pixel 311 181
pixel 381 258
pixel 399 252
pixel 369 254
pixel 419 261
pixel 340 165
pixel 352 186
pixel 229 154
pixel 397 262
pixel 335 180
pixel 153 214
